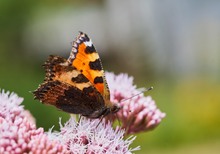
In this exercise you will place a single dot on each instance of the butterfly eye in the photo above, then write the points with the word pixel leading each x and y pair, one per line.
pixel 115 108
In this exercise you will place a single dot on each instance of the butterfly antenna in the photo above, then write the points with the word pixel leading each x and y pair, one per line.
pixel 142 91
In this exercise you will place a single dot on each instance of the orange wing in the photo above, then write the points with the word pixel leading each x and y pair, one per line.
pixel 85 58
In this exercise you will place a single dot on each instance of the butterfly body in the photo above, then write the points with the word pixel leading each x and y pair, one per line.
pixel 77 84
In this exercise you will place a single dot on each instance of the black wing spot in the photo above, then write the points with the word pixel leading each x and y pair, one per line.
pixel 98 79
pixel 95 65
pixel 88 90
pixel 80 79
pixel 90 50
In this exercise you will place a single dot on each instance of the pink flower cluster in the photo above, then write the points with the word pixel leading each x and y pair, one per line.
pixel 139 113
pixel 18 133
pixel 91 137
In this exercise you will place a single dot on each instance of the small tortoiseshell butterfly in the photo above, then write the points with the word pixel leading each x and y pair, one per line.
pixel 77 84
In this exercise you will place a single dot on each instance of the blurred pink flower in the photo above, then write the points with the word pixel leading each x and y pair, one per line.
pixel 137 114
pixel 92 137
pixel 18 133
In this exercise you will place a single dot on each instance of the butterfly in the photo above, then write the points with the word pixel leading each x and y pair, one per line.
pixel 77 85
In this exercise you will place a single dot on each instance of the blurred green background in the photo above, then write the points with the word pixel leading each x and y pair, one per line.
pixel 172 45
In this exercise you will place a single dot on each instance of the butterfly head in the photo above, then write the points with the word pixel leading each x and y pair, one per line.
pixel 104 112
pixel 111 107
pixel 115 108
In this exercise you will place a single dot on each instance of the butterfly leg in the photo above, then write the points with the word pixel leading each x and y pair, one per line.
pixel 80 117
pixel 100 121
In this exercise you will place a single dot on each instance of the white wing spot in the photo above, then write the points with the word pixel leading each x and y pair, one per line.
pixel 89 43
